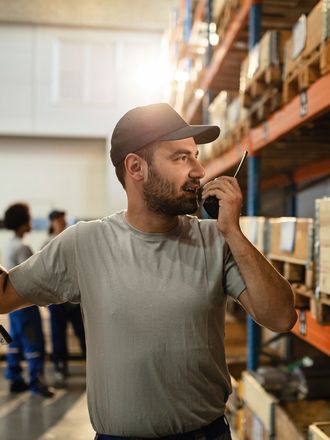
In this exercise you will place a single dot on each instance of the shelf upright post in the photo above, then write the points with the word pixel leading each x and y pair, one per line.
pixel 207 98
pixel 187 24
pixel 253 195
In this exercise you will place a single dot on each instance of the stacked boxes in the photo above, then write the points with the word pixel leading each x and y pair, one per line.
pixel 322 241
pixel 260 78
pixel 321 309
pixel 291 239
pixel 307 52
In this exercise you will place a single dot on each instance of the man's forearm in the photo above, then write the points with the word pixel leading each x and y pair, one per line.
pixel 9 298
pixel 269 297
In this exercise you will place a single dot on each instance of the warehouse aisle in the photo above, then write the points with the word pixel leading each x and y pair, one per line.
pixel 64 416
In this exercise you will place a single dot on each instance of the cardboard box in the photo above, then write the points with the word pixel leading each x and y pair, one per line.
pixel 262 405
pixel 322 244
pixel 318 26
pixel 254 228
pixel 291 239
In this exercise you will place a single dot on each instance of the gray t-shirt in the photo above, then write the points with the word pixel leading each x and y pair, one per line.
pixel 154 307
pixel 15 252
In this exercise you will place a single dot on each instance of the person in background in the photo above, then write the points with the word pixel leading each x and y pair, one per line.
pixel 62 314
pixel 153 282
pixel 25 324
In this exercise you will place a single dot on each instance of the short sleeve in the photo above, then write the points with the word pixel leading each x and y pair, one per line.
pixel 234 284
pixel 50 275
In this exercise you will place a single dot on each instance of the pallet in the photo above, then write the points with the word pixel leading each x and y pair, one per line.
pixel 301 277
pixel 311 68
pixel 301 273
pixel 237 133
pixel 265 106
pixel 320 309
pixel 264 80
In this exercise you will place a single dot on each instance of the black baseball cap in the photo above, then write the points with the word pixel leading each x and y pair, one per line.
pixel 156 122
pixel 55 214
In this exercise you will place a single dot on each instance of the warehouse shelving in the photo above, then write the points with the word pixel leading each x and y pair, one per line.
pixel 278 141
pixel 220 56
pixel 315 101
pixel 310 331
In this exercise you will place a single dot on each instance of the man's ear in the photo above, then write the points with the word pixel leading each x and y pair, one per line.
pixel 135 166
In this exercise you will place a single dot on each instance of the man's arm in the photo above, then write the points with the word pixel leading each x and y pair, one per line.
pixel 268 297
pixel 9 299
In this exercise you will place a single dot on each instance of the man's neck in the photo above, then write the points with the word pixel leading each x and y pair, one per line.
pixel 151 222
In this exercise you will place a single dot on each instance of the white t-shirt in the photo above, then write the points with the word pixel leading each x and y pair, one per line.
pixel 153 307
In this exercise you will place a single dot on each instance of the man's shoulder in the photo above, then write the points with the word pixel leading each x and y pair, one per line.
pixel 91 227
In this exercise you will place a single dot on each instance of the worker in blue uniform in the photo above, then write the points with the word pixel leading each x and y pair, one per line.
pixel 25 324
pixel 63 314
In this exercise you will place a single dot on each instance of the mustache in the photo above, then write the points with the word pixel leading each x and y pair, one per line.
pixel 192 183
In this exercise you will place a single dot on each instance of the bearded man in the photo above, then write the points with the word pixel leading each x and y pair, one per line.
pixel 153 282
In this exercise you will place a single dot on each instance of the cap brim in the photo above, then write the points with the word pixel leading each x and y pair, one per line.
pixel 202 134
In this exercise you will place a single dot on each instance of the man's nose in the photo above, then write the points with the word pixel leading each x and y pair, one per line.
pixel 197 171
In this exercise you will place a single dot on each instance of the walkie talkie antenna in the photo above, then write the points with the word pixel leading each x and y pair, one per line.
pixel 241 163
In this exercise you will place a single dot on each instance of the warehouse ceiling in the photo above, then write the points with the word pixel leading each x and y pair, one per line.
pixel 136 15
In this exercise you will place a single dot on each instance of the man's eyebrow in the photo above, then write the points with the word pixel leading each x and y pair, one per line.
pixel 183 151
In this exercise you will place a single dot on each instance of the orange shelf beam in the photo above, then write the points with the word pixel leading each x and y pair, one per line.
pixel 279 124
pixel 289 117
pixel 227 160
pixel 310 331
pixel 220 55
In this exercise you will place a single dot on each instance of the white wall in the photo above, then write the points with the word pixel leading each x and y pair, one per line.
pixel 67 174
pixel 57 81
pixel 74 84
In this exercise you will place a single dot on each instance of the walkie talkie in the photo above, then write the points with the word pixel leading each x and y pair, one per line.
pixel 211 204
pixel 5 337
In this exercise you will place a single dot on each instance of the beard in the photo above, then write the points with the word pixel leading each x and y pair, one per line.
pixel 161 196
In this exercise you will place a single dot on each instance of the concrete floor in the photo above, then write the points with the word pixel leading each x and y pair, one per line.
pixel 65 416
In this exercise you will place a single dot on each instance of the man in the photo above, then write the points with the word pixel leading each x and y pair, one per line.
pixel 62 314
pixel 25 324
pixel 153 281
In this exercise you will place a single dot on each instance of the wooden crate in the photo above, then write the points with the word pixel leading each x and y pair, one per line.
pixel 259 408
pixel 319 431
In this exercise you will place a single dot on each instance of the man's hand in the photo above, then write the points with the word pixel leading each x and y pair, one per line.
pixel 229 194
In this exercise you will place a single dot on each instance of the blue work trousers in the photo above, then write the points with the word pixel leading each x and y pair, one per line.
pixel 60 316
pixel 28 341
